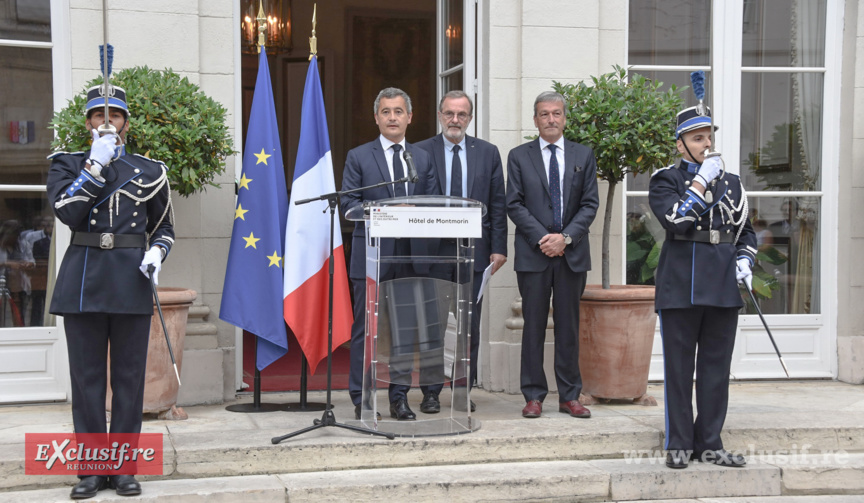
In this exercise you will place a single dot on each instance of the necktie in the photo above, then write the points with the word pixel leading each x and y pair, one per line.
pixel 555 190
pixel 398 171
pixel 456 174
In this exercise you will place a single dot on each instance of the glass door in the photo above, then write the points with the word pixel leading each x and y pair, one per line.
pixel 32 349
pixel 458 48
pixel 766 63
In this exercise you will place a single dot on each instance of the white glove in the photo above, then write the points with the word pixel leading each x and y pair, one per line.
pixel 709 170
pixel 153 257
pixel 102 151
pixel 744 273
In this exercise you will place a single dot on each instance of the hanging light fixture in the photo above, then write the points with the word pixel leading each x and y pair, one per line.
pixel 276 21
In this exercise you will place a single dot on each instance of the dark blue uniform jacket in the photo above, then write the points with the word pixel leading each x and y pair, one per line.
pixel 694 273
pixel 136 201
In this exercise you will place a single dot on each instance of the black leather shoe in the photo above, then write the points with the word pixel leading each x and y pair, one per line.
pixel 400 410
pixel 430 403
pixel 458 405
pixel 357 412
pixel 722 457
pixel 88 487
pixel 125 485
pixel 677 459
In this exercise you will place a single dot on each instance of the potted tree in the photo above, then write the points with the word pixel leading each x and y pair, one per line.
pixel 629 122
pixel 173 121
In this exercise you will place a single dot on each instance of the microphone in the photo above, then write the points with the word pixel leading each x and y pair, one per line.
pixel 412 169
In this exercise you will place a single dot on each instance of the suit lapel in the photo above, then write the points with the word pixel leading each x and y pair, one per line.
pixel 440 162
pixel 471 158
pixel 569 171
pixel 378 155
pixel 537 160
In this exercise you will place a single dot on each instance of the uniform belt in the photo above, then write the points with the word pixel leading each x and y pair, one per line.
pixel 710 237
pixel 108 241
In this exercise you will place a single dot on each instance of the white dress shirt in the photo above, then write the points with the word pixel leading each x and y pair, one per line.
pixel 388 154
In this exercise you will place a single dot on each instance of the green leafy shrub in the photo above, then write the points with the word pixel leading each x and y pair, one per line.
pixel 643 251
pixel 630 124
pixel 171 121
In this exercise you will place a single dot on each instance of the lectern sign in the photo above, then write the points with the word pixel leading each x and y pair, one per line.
pixel 424 222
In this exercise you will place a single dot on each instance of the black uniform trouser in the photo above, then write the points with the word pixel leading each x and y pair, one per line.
pixel 711 330
pixel 87 337
pixel 565 288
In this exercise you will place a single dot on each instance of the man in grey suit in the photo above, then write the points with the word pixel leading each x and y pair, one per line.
pixel 552 199
pixel 382 160
pixel 468 167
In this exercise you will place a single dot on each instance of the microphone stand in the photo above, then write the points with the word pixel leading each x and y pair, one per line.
pixel 328 418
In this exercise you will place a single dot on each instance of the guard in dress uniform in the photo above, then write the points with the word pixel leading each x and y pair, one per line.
pixel 118 207
pixel 710 246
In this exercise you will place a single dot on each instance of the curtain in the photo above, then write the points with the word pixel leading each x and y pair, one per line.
pixel 808 33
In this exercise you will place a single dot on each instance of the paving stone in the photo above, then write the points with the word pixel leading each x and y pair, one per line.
pixel 253 489
pixel 787 499
pixel 214 446
pixel 763 499
pixel 651 479
pixel 546 481
pixel 839 473
pixel 206 454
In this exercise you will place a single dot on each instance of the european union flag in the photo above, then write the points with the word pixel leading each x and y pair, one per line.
pixel 252 295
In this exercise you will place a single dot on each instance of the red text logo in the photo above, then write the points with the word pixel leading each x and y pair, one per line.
pixel 93 454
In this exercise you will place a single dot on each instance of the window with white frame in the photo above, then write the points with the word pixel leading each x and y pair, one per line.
pixel 458 49
pixel 26 109
pixel 769 58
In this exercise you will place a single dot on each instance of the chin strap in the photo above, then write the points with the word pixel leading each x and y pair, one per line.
pixel 684 142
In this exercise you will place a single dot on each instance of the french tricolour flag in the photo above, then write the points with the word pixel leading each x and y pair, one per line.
pixel 307 237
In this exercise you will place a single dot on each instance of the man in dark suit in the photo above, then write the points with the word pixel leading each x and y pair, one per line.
pixel 118 207
pixel 709 245
pixel 552 199
pixel 478 175
pixel 382 160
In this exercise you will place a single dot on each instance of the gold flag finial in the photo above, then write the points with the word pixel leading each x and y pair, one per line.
pixel 262 26
pixel 313 40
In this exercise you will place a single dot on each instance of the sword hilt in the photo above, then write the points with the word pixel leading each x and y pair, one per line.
pixel 106 128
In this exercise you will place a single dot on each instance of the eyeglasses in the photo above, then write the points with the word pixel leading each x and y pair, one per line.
pixel 462 116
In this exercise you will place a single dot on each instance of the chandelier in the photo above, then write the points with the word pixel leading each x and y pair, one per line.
pixel 276 21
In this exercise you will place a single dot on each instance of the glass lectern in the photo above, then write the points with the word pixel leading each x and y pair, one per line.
pixel 417 322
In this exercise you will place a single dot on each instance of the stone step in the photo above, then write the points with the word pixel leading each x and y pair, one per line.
pixel 205 448
pixel 644 480
pixel 209 454
pixel 832 498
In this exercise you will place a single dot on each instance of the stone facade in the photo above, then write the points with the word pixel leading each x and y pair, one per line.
pixel 850 268
pixel 525 50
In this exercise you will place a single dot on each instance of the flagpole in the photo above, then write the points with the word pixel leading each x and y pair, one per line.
pixel 256 405
pixel 328 418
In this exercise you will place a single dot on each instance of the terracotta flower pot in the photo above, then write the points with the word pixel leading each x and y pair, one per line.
pixel 160 387
pixel 616 334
